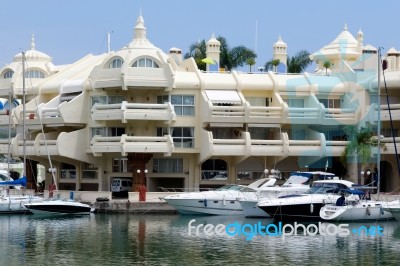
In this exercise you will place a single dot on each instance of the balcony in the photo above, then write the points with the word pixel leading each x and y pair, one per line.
pixel 147 77
pixel 133 111
pixel 54 113
pixel 317 146
pixel 127 144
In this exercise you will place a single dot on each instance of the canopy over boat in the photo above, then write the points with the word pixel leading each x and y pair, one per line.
pixel 18 182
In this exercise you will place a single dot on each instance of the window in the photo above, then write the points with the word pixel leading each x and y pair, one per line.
pixel 101 131
pixel 170 165
pixel 108 131
pixel 89 171
pixel 330 103
pixel 35 74
pixel 107 99
pixel 183 137
pixel 99 100
pixel 116 63
pixel 258 101
pixel 214 169
pixel 297 134
pixel 145 62
pixel 163 99
pixel 8 74
pixel 183 104
pixel 120 165
pixel 299 103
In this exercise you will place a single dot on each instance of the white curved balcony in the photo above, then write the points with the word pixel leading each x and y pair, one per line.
pixel 134 111
pixel 126 144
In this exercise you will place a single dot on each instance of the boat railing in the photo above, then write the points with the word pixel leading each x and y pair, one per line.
pixel 169 189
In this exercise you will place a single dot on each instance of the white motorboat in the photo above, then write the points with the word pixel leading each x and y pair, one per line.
pixel 297 183
pixel 308 205
pixel 351 209
pixel 222 201
pixel 59 206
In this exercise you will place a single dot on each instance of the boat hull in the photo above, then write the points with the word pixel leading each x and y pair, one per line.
pixel 59 208
pixel 359 212
pixel 251 210
pixel 206 207
pixel 294 212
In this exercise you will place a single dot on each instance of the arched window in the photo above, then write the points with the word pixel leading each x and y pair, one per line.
pixel 35 74
pixel 116 63
pixel 145 62
pixel 8 74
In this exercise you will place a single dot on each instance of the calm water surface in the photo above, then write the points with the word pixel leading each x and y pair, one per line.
pixel 127 239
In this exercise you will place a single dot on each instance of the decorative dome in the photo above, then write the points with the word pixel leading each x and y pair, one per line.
pixel 139 37
pixel 369 47
pixel 280 43
pixel 392 51
pixel 213 40
pixel 32 54
pixel 344 45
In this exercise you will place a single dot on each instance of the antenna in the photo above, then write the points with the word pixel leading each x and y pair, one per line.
pixel 109 41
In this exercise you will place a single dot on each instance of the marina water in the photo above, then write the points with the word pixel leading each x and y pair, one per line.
pixel 147 239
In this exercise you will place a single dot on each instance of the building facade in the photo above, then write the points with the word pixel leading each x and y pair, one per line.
pixel 156 118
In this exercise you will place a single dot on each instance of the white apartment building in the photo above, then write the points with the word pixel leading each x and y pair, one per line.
pixel 156 118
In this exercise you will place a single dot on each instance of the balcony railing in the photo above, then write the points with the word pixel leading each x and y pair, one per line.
pixel 134 111
pixel 126 144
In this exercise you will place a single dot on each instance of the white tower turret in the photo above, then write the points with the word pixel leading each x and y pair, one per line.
pixel 213 50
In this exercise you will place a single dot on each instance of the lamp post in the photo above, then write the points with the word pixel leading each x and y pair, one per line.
pixel 142 181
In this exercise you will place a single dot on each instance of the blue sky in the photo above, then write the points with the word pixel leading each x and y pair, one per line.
pixel 68 30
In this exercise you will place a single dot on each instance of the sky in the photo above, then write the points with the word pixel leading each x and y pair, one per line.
pixel 68 30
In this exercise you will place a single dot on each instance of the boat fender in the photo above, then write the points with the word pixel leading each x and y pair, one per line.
pixel 223 200
pixel 311 208
pixel 205 202
pixel 382 211
pixel 369 211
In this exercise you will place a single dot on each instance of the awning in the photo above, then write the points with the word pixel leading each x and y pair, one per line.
pixel 223 96
pixel 72 86
pixel 68 96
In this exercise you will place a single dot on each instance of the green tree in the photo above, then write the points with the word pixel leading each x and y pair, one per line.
pixel 299 62
pixel 359 148
pixel 272 64
pixel 198 52
pixel 229 58
pixel 250 62
pixel 327 65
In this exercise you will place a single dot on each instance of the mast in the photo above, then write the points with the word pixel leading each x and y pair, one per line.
pixel 378 163
pixel 23 112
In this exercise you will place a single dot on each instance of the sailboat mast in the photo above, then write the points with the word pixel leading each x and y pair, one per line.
pixel 378 163
pixel 23 114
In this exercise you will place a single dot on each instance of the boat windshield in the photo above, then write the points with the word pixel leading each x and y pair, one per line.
pixel 235 188
pixel 296 179
pixel 322 188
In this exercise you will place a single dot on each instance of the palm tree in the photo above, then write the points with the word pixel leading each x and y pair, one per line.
pixel 359 148
pixel 198 52
pixel 229 58
pixel 272 64
pixel 299 62
pixel 327 65
pixel 250 62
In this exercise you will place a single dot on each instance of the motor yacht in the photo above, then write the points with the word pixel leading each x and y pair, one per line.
pixel 306 206
pixel 222 201
pixel 297 183
pixel 59 206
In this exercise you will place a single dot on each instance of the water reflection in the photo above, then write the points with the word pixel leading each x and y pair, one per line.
pixel 164 240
